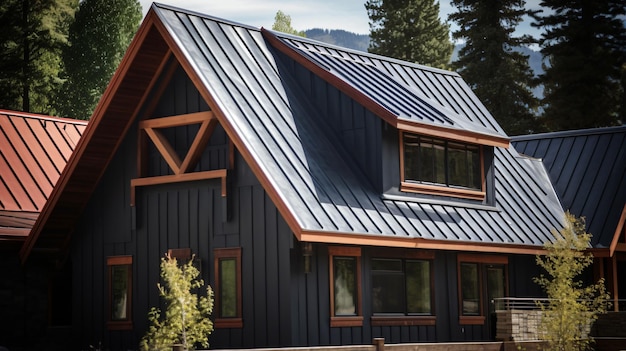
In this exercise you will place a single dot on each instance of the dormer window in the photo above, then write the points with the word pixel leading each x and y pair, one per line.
pixel 435 166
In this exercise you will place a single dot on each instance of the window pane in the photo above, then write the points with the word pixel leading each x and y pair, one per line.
pixel 440 161
pixel 119 292
pixel 470 292
pixel 457 165
pixel 411 150
pixel 495 283
pixel 228 287
pixel 426 159
pixel 345 286
pixel 418 287
pixel 387 286
pixel 475 172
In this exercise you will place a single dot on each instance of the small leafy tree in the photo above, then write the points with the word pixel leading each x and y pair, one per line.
pixel 187 316
pixel 572 306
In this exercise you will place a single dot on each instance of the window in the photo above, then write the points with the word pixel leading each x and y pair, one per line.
pixel 441 167
pixel 345 286
pixel 120 292
pixel 481 279
pixel 402 290
pixel 228 288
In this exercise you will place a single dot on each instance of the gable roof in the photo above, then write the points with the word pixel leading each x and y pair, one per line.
pixel 272 123
pixel 34 149
pixel 588 170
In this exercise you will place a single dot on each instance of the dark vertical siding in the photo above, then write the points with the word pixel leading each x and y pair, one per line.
pixel 355 128
pixel 181 215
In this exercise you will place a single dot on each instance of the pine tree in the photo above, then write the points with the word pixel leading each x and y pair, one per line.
pixel 498 73
pixel 584 44
pixel 32 36
pixel 99 37
pixel 409 30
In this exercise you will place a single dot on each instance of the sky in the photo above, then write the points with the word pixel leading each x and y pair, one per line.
pixel 349 15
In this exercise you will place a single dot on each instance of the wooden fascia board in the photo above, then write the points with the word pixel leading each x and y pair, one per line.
pixel 414 243
pixel 379 110
pixel 618 232
pixel 238 143
pixel 101 109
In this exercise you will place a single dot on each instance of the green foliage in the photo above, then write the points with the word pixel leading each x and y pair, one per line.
pixel 409 30
pixel 32 36
pixel 99 36
pixel 572 306
pixel 498 74
pixel 282 23
pixel 584 43
pixel 186 319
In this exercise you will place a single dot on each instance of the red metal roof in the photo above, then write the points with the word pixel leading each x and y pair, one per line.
pixel 34 149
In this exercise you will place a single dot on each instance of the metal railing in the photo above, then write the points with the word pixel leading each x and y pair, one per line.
pixel 535 303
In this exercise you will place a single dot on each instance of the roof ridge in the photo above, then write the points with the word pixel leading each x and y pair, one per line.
pixel 364 53
pixel 42 117
pixel 203 15
pixel 569 133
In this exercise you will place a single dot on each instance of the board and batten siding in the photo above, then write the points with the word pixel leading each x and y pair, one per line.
pixel 181 215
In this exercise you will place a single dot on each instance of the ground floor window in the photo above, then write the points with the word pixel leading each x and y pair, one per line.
pixel 402 288
pixel 345 286
pixel 228 288
pixel 120 292
pixel 481 280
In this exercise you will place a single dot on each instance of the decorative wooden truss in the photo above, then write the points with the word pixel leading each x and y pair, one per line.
pixel 182 169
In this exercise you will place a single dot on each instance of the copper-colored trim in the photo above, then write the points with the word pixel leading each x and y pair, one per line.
pixel 177 178
pixel 165 149
pixel 615 283
pixel 619 230
pixel 442 190
pixel 376 108
pixel 471 320
pixel 235 322
pixel 453 134
pixel 126 324
pixel 177 121
pixel 415 243
pixel 345 321
pixel 381 321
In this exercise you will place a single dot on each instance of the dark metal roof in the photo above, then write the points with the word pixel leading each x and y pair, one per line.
pixel 34 149
pixel 277 125
pixel 272 123
pixel 588 170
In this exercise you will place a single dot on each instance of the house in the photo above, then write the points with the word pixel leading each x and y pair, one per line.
pixel 329 196
pixel 34 150
pixel 588 170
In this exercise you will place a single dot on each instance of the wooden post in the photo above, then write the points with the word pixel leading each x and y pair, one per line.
pixel 379 343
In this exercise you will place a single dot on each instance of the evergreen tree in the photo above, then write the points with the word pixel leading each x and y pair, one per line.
pixel 409 30
pixel 99 37
pixel 32 36
pixel 584 44
pixel 498 73
pixel 282 23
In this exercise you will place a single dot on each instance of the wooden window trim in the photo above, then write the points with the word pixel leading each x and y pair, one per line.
pixel 380 321
pixel 234 322
pixel 128 323
pixel 480 260
pixel 442 190
pixel 345 321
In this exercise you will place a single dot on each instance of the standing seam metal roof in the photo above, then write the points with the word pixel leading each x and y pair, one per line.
pixel 588 170
pixel 276 122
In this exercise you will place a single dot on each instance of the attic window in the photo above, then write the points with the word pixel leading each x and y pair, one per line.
pixel 441 167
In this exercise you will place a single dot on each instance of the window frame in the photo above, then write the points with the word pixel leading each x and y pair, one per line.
pixel 227 322
pixel 480 261
pixel 345 321
pixel 408 319
pixel 416 186
pixel 127 323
